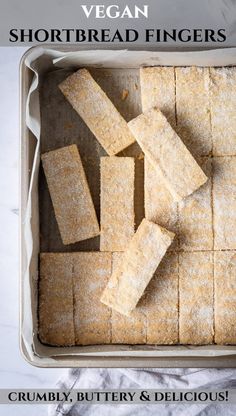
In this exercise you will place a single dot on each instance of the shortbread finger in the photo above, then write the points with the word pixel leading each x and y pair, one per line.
pixel 162 303
pixel 117 202
pixel 56 325
pixel 92 319
pixel 158 90
pixel 71 198
pixel 97 111
pixel 128 329
pixel 168 154
pixel 224 202
pixel 225 297
pixel 160 207
pixel 141 258
pixel 195 215
pixel 193 109
pixel 223 115
pixel 196 298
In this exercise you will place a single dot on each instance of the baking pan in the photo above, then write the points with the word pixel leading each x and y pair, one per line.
pixel 38 66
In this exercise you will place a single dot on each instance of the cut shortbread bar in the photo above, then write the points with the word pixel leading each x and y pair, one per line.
pixel 196 298
pixel 161 303
pixel 97 111
pixel 225 297
pixel 158 90
pixel 165 150
pixel 117 202
pixel 128 329
pixel 223 115
pixel 141 258
pixel 191 219
pixel 56 325
pixel 195 230
pixel 72 202
pixel 224 202
pixel 193 109
pixel 91 318
pixel 160 207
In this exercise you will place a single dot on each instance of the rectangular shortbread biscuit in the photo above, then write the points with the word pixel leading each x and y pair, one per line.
pixel 92 319
pixel 56 325
pixel 97 111
pixel 195 230
pixel 193 109
pixel 162 303
pixel 224 202
pixel 141 258
pixel 128 329
pixel 168 154
pixel 196 298
pixel 225 297
pixel 160 207
pixel 158 90
pixel 223 115
pixel 71 198
pixel 117 202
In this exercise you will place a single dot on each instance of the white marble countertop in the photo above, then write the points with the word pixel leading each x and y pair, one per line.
pixel 15 372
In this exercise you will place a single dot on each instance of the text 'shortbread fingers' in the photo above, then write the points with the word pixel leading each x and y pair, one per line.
pixel 97 111
pixel 225 297
pixel 193 109
pixel 141 258
pixel 92 319
pixel 117 202
pixel 56 324
pixel 196 298
pixel 128 329
pixel 160 207
pixel 158 90
pixel 168 154
pixel 195 215
pixel 71 198
pixel 224 202
pixel 223 115
pixel 161 303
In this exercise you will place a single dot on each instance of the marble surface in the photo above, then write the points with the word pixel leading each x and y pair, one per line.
pixel 15 372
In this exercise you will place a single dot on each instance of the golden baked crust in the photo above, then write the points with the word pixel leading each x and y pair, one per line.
pixel 195 222
pixel 196 312
pixel 160 207
pixel 158 90
pixel 223 115
pixel 92 319
pixel 141 258
pixel 165 150
pixel 117 202
pixel 71 198
pixel 193 109
pixel 225 297
pixel 56 325
pixel 161 303
pixel 224 202
pixel 97 111
pixel 128 329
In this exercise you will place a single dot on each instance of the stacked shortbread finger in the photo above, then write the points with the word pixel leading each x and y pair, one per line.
pixel 143 287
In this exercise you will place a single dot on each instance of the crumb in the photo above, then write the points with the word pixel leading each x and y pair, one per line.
pixel 68 126
pixel 140 156
pixel 124 94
